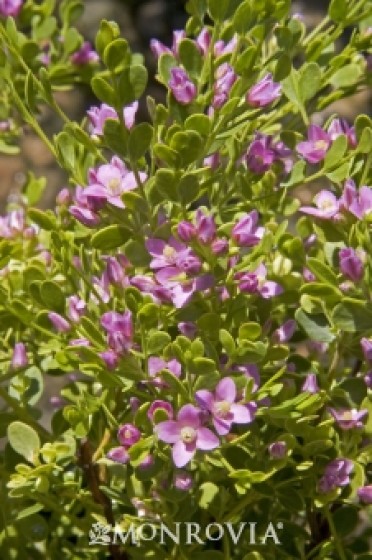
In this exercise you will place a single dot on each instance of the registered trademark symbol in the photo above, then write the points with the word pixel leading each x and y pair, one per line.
pixel 279 525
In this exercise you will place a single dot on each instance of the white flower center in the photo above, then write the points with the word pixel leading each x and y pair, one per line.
pixel 222 409
pixel 188 434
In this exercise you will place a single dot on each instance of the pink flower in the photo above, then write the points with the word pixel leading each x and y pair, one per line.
pixel 172 253
pixel 278 449
pixel 19 357
pixel 221 48
pixel 76 308
pixel 351 264
pixel 158 364
pixel 358 202
pixel 336 475
pixel 59 322
pixel 339 127
pixel 128 435
pixel 110 181
pixel 110 358
pixel 327 206
pixel 348 419
pixel 203 40
pixel 365 494
pixel 225 79
pixel 222 406
pixel 86 208
pixel 119 455
pixel 10 7
pixel 245 232
pixel 366 345
pixel 163 406
pixel 264 92
pixel 310 384
pixel 84 55
pixel 316 146
pixel 99 115
pixel 182 288
pixel 186 434
pixel 285 332
pixel 183 89
pixel 255 283
pixel 119 328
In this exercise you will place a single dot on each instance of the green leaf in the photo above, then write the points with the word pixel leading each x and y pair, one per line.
pixel 346 77
pixel 157 341
pixel 190 57
pixel 227 342
pixel 188 189
pixel 188 145
pixel 338 10
pixel 199 123
pixel 165 65
pixel 19 310
pixel 110 237
pixel 132 83
pixel 208 491
pixel 52 295
pixel 243 18
pixel 108 31
pixel 336 152
pixel 116 55
pixel 365 142
pixel 309 80
pixel 352 315
pixel 34 189
pixel 203 366
pixel 346 519
pixel 297 174
pixel 24 440
pixel 322 271
pixel 66 149
pixel 315 326
pixel 104 91
pixel 250 331
pixel 46 220
pixel 139 140
pixel 218 9
pixel 166 154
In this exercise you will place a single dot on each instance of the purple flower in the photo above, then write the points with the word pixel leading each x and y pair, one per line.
pixel 128 435
pixel 147 285
pixel 366 345
pixel 264 92
pixel 158 364
pixel 348 419
pixel 359 203
pixel 158 48
pixel 10 7
pixel 110 358
pixel 225 79
pixel 339 127
pixel 188 329
pixel 368 379
pixel 19 357
pixel 255 283
pixel 186 231
pixel 163 406
pixel 316 146
pixel 350 264
pixel 183 481
pixel 205 227
pixel 186 434
pixel 99 115
pixel 336 475
pixel 84 55
pixel 221 48
pixel 59 322
pixel 110 181
pixel 223 407
pixel 86 208
pixel 120 330
pixel 310 384
pixel 181 287
pixel 115 270
pixel 119 455
pixel 250 371
pixel 285 332
pixel 203 41
pixel 365 494
pixel 278 449
pixel 261 154
pixel 76 308
pixel 63 198
pixel 183 89
pixel 169 254
pixel 245 232
pixel 327 206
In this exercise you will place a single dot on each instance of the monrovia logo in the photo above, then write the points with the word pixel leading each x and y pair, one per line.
pixel 183 533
